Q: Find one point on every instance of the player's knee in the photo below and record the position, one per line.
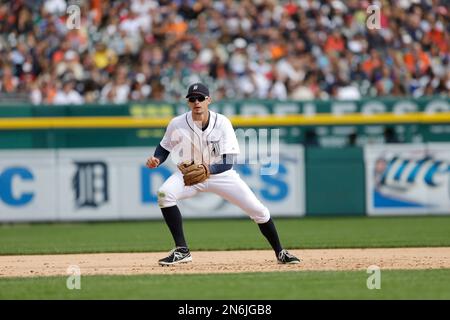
(261, 216)
(166, 199)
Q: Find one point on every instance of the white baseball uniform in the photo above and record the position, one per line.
(186, 141)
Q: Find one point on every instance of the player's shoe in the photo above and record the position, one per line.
(285, 257)
(177, 255)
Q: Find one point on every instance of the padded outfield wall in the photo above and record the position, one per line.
(64, 163)
(329, 131)
(114, 184)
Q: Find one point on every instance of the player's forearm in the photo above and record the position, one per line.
(161, 154)
(226, 164)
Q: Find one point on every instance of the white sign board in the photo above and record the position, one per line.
(114, 184)
(407, 179)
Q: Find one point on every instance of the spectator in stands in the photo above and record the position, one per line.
(117, 90)
(9, 82)
(103, 56)
(70, 64)
(68, 95)
(302, 50)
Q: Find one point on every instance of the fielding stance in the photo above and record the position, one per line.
(206, 145)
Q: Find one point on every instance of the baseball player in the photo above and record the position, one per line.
(204, 145)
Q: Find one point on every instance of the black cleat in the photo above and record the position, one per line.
(285, 257)
(177, 255)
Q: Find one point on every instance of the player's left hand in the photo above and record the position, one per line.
(193, 173)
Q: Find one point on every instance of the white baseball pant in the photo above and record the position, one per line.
(227, 185)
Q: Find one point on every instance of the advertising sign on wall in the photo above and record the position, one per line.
(27, 186)
(114, 184)
(408, 179)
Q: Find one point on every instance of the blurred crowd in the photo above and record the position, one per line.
(146, 49)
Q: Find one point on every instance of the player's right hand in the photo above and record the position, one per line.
(152, 162)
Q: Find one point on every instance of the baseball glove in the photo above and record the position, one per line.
(193, 173)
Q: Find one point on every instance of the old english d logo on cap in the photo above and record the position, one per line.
(198, 89)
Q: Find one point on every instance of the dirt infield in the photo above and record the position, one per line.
(225, 262)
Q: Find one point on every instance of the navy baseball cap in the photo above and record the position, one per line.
(197, 89)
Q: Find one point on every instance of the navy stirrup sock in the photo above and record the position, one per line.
(174, 221)
(270, 232)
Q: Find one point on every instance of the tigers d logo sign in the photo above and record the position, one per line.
(90, 184)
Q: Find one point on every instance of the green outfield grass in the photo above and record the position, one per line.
(141, 236)
(399, 284)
